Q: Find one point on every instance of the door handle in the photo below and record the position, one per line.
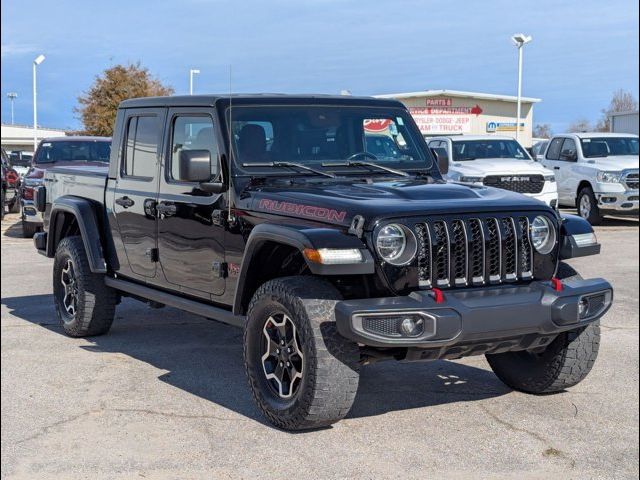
(125, 202)
(556, 168)
(165, 209)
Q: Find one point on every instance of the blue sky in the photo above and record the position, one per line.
(581, 51)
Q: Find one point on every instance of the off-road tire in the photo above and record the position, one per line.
(593, 217)
(564, 363)
(29, 229)
(331, 370)
(95, 301)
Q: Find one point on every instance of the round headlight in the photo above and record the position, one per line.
(391, 242)
(543, 235)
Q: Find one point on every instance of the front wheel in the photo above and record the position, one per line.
(303, 374)
(588, 206)
(564, 363)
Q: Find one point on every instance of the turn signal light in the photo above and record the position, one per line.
(334, 256)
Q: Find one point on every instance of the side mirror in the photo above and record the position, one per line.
(194, 166)
(443, 159)
(569, 155)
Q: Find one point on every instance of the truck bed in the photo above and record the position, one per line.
(83, 181)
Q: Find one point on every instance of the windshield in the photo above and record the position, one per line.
(322, 136)
(478, 149)
(73, 150)
(609, 146)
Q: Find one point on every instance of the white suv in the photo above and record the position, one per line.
(595, 172)
(496, 162)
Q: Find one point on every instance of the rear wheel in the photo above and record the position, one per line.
(565, 362)
(15, 205)
(303, 374)
(588, 206)
(29, 229)
(85, 306)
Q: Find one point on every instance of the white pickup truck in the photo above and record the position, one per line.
(595, 172)
(496, 161)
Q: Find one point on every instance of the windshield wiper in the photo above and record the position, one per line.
(360, 163)
(290, 165)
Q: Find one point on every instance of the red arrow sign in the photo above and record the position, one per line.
(476, 110)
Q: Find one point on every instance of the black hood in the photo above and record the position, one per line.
(337, 202)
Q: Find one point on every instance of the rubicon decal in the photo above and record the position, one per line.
(309, 211)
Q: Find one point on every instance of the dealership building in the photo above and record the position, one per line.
(20, 137)
(453, 112)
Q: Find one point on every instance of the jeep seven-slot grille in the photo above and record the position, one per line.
(473, 251)
(516, 183)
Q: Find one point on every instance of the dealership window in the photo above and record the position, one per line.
(193, 133)
(553, 152)
(143, 136)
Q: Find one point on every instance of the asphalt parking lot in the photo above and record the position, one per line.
(164, 395)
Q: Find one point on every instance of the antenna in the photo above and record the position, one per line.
(230, 128)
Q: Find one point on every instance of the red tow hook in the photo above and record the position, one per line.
(438, 295)
(557, 284)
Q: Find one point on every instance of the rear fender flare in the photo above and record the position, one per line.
(87, 220)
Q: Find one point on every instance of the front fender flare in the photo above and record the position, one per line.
(571, 225)
(86, 217)
(302, 237)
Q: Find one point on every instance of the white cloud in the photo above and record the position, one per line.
(13, 49)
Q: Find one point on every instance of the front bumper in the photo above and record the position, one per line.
(619, 202)
(29, 212)
(475, 320)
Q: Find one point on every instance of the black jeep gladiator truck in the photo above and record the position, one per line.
(270, 213)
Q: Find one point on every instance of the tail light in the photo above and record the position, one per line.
(12, 177)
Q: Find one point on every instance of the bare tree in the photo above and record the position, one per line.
(99, 105)
(622, 101)
(580, 125)
(542, 130)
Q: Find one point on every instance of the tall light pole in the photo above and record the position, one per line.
(191, 73)
(12, 96)
(520, 40)
(39, 59)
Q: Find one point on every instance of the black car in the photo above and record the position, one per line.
(271, 213)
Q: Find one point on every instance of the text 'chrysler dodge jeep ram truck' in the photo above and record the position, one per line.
(271, 213)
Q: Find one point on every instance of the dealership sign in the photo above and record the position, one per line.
(376, 124)
(442, 120)
(503, 127)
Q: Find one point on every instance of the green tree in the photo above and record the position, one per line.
(98, 106)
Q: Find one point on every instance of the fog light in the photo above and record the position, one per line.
(583, 308)
(594, 305)
(411, 326)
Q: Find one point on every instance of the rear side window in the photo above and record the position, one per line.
(553, 152)
(140, 156)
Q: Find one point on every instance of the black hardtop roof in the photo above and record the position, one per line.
(77, 138)
(256, 98)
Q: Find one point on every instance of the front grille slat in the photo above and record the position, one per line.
(441, 254)
(473, 251)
